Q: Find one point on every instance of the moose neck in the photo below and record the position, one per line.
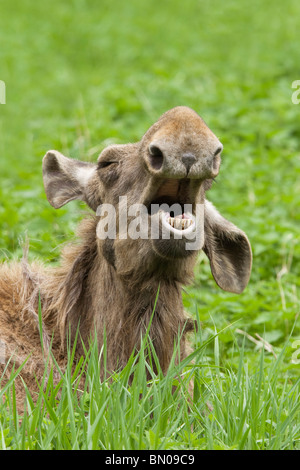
(127, 312)
(88, 291)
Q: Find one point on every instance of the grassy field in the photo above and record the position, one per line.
(82, 74)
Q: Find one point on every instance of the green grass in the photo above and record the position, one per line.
(227, 409)
(83, 74)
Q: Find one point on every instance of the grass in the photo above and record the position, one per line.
(81, 75)
(227, 409)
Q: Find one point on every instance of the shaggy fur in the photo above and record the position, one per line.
(111, 285)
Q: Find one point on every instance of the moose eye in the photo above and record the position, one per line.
(106, 164)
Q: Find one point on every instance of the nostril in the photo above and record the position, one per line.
(156, 157)
(216, 160)
(188, 160)
(219, 150)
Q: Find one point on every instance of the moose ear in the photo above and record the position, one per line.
(66, 179)
(228, 250)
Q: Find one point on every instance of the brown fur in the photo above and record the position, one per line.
(111, 285)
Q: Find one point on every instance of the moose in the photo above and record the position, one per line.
(109, 285)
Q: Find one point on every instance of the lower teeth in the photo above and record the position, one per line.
(180, 224)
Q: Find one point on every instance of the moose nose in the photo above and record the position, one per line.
(188, 159)
(166, 161)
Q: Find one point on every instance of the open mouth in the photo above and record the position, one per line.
(174, 201)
